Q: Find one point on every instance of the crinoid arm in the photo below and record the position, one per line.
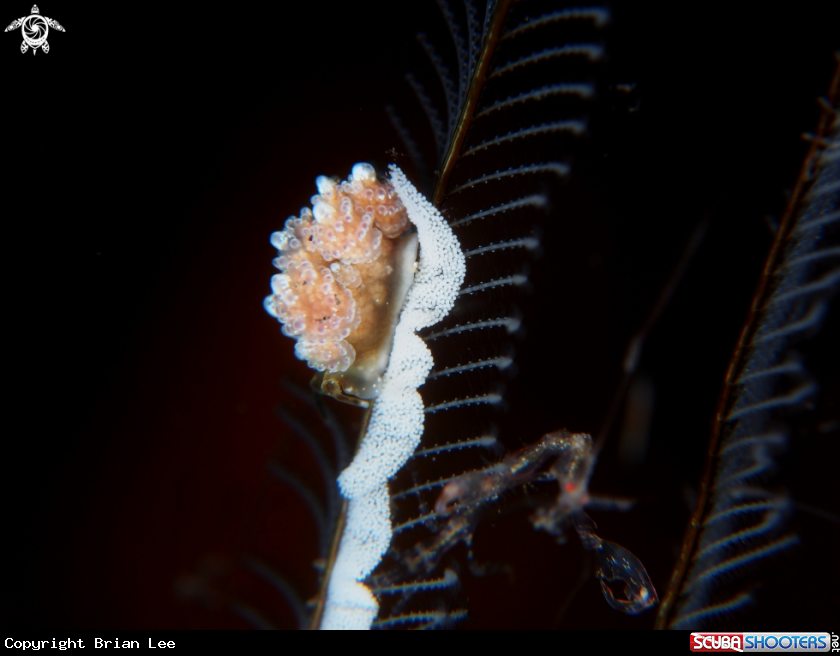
(740, 522)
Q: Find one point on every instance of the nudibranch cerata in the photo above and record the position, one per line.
(354, 294)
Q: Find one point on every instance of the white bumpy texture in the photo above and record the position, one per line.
(396, 422)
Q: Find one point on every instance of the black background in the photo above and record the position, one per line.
(148, 156)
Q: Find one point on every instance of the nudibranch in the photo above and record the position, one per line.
(354, 293)
(347, 264)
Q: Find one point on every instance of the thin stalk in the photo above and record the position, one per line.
(468, 110)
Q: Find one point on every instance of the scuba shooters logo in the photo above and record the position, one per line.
(760, 642)
(717, 642)
(34, 28)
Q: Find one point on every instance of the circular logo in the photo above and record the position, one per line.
(35, 30)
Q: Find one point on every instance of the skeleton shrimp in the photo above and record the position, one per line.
(575, 457)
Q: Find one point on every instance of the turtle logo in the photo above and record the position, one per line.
(35, 29)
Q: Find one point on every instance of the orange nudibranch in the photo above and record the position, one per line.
(346, 265)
